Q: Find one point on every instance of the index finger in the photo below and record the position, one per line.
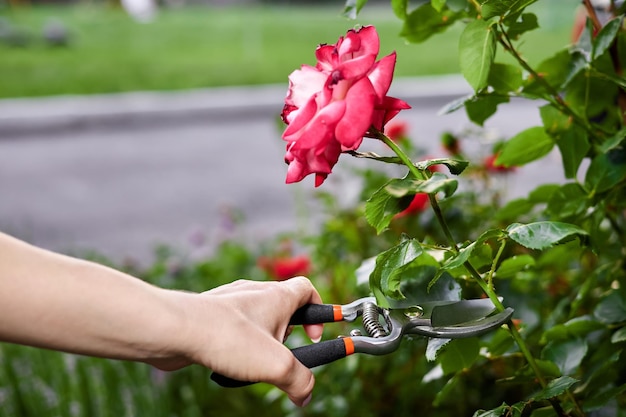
(307, 294)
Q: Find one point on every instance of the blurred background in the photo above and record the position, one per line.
(128, 125)
(146, 135)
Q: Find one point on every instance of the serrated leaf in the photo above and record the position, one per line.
(459, 354)
(437, 183)
(460, 258)
(492, 8)
(425, 21)
(455, 166)
(606, 170)
(527, 23)
(527, 146)
(505, 78)
(611, 309)
(511, 266)
(477, 49)
(567, 355)
(387, 274)
(555, 388)
(382, 206)
(542, 235)
(568, 200)
(605, 37)
(482, 106)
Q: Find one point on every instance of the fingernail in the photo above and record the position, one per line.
(307, 400)
(316, 339)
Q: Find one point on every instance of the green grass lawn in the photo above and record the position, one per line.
(203, 47)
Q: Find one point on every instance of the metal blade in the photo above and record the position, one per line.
(460, 312)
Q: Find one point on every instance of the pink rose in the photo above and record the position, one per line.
(330, 107)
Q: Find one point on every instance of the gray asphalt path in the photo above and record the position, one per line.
(120, 174)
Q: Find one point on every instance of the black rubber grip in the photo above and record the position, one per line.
(311, 356)
(314, 314)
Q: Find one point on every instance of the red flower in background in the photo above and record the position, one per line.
(284, 267)
(330, 107)
(397, 130)
(418, 205)
(491, 166)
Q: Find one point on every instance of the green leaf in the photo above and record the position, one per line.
(505, 78)
(492, 8)
(527, 146)
(569, 200)
(448, 392)
(438, 4)
(606, 170)
(614, 141)
(387, 275)
(574, 146)
(382, 206)
(459, 354)
(477, 49)
(425, 21)
(511, 266)
(454, 105)
(399, 8)
(619, 336)
(567, 355)
(576, 328)
(527, 23)
(482, 106)
(438, 183)
(605, 37)
(460, 258)
(570, 138)
(434, 346)
(456, 166)
(353, 7)
(611, 309)
(514, 209)
(543, 193)
(542, 235)
(496, 412)
(555, 388)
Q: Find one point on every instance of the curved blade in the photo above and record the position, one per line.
(460, 312)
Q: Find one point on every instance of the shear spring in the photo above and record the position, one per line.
(372, 325)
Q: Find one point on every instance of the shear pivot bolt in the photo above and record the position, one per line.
(413, 312)
(355, 332)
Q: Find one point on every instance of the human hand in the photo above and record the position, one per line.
(238, 330)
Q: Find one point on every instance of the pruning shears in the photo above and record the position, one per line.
(386, 326)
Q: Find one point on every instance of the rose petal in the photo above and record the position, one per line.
(303, 83)
(382, 74)
(358, 115)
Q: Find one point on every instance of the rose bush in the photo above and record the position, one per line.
(556, 256)
(330, 107)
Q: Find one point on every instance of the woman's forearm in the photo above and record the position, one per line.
(55, 301)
